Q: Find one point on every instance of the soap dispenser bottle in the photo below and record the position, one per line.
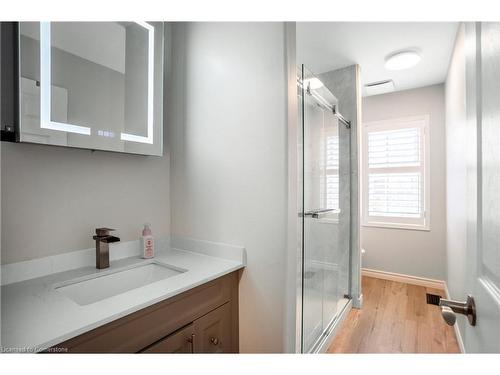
(147, 241)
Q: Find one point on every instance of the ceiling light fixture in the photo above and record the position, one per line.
(402, 60)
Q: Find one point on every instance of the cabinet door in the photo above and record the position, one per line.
(180, 341)
(213, 331)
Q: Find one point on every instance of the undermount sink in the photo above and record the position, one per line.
(100, 287)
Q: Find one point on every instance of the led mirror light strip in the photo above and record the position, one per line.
(45, 87)
(149, 138)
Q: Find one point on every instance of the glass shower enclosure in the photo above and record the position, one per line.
(324, 201)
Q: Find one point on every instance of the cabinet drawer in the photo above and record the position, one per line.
(181, 341)
(138, 330)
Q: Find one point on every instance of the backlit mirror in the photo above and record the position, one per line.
(95, 85)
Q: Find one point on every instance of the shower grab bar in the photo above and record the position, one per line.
(318, 214)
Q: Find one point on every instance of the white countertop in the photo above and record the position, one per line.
(35, 316)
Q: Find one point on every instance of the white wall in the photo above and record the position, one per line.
(412, 252)
(229, 159)
(456, 169)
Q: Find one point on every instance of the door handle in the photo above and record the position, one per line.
(449, 308)
(318, 214)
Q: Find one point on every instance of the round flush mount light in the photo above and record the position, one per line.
(402, 60)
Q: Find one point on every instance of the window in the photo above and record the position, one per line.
(332, 171)
(396, 173)
(328, 163)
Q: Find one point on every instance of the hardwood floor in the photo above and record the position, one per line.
(395, 318)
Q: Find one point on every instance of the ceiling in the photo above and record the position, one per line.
(325, 46)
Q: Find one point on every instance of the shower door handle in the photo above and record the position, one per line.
(318, 214)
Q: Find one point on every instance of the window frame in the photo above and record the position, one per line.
(423, 223)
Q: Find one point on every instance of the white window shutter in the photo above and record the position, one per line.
(394, 148)
(394, 173)
(332, 172)
(394, 194)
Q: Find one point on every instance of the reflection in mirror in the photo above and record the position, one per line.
(92, 85)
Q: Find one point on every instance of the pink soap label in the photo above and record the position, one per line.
(148, 247)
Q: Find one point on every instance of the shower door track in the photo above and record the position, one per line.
(333, 108)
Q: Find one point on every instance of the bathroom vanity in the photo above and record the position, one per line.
(201, 320)
(185, 300)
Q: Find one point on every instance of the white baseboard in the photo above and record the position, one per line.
(408, 279)
(456, 327)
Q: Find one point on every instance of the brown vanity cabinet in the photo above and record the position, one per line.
(212, 333)
(200, 320)
(181, 341)
(209, 334)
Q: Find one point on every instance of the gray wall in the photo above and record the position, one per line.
(228, 137)
(53, 197)
(344, 84)
(413, 252)
(456, 172)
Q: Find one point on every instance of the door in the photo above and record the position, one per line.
(325, 211)
(483, 112)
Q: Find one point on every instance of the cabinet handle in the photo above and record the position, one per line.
(191, 341)
(214, 340)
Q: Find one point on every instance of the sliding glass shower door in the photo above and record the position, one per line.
(325, 215)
